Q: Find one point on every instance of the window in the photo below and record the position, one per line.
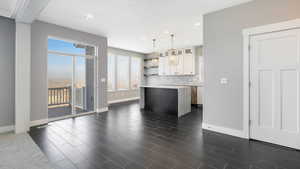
(135, 72)
(65, 47)
(111, 72)
(123, 72)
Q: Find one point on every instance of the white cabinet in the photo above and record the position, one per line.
(189, 63)
(162, 66)
(180, 63)
(171, 65)
(183, 63)
(167, 66)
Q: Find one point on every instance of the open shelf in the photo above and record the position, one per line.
(150, 59)
(154, 74)
(150, 67)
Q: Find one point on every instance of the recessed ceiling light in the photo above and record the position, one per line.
(197, 24)
(89, 16)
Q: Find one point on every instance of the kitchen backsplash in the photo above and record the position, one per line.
(173, 80)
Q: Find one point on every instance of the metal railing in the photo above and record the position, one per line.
(59, 96)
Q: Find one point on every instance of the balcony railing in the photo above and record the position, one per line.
(59, 96)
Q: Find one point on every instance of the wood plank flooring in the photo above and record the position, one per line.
(128, 138)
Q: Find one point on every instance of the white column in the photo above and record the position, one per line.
(22, 77)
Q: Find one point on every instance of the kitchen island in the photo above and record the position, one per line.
(175, 100)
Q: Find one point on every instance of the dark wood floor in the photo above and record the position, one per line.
(127, 138)
(61, 111)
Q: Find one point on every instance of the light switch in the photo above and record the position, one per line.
(103, 80)
(224, 81)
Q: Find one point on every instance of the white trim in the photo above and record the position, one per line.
(246, 87)
(292, 24)
(105, 109)
(247, 33)
(45, 121)
(69, 54)
(95, 73)
(70, 116)
(123, 100)
(38, 122)
(223, 130)
(122, 90)
(22, 77)
(6, 129)
(72, 41)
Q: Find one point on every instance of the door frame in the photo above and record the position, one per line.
(96, 75)
(247, 33)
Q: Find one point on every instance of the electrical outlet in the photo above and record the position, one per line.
(223, 81)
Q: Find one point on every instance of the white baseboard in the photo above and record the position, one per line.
(5, 129)
(38, 122)
(105, 109)
(224, 130)
(123, 100)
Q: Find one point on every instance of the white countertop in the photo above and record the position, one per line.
(191, 85)
(166, 87)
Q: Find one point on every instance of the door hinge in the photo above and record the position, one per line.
(249, 84)
(249, 47)
(250, 122)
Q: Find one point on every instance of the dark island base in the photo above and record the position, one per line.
(162, 101)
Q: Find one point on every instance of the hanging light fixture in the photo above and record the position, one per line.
(155, 54)
(173, 59)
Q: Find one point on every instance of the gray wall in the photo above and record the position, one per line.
(7, 73)
(39, 35)
(120, 95)
(178, 80)
(223, 55)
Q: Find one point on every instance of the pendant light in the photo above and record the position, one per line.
(173, 59)
(155, 54)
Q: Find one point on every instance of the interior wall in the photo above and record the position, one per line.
(223, 52)
(7, 71)
(124, 94)
(179, 80)
(39, 47)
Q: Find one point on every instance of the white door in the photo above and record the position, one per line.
(274, 93)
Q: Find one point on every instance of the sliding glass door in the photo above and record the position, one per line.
(70, 78)
(59, 85)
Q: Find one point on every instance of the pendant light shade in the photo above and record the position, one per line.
(154, 53)
(173, 59)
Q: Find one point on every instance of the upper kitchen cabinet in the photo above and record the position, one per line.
(180, 63)
(189, 62)
(162, 65)
(177, 62)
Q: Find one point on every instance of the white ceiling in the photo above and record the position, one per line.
(132, 24)
(7, 7)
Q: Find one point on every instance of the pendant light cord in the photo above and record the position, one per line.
(153, 43)
(172, 41)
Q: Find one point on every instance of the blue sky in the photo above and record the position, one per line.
(60, 67)
(63, 46)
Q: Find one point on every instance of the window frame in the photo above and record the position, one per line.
(115, 72)
(140, 72)
(129, 67)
